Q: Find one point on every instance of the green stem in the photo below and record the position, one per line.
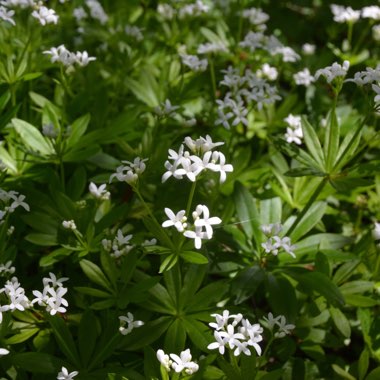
(213, 80)
(349, 34)
(62, 172)
(308, 205)
(234, 362)
(191, 196)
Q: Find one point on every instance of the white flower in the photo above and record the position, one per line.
(194, 62)
(294, 135)
(271, 229)
(376, 32)
(177, 220)
(166, 109)
(83, 59)
(308, 49)
(164, 359)
(376, 88)
(205, 221)
(283, 328)
(56, 300)
(333, 71)
(212, 47)
(7, 14)
(255, 16)
(99, 192)
(183, 362)
(344, 14)
(201, 145)
(222, 167)
(376, 231)
(53, 280)
(18, 200)
(130, 322)
(45, 15)
(219, 344)
(271, 321)
(222, 320)
(7, 268)
(268, 72)
(3, 352)
(79, 13)
(65, 375)
(304, 77)
(69, 224)
(96, 11)
(198, 235)
(372, 12)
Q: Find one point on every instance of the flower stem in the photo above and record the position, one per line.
(213, 80)
(191, 196)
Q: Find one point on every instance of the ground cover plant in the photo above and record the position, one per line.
(189, 189)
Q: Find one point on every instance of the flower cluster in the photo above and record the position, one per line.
(368, 76)
(294, 130)
(193, 62)
(348, 15)
(119, 246)
(344, 14)
(62, 55)
(178, 363)
(303, 78)
(202, 228)
(96, 11)
(243, 92)
(271, 44)
(279, 322)
(134, 32)
(235, 333)
(16, 296)
(43, 14)
(183, 163)
(167, 11)
(130, 172)
(11, 201)
(256, 17)
(129, 322)
(334, 71)
(274, 242)
(52, 295)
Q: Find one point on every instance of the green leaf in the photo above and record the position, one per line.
(353, 287)
(78, 129)
(87, 336)
(64, 339)
(340, 321)
(4, 99)
(143, 89)
(282, 297)
(247, 213)
(342, 373)
(92, 292)
(54, 256)
(22, 336)
(360, 301)
(168, 263)
(32, 137)
(246, 282)
(198, 332)
(42, 239)
(312, 142)
(374, 375)
(37, 362)
(273, 375)
(175, 337)
(95, 274)
(194, 257)
(331, 144)
(304, 171)
(363, 363)
(271, 210)
(319, 283)
(309, 220)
